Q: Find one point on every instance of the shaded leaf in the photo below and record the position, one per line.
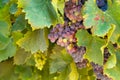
(21, 56)
(4, 28)
(9, 51)
(4, 41)
(20, 23)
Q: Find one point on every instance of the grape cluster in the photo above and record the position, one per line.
(102, 4)
(106, 55)
(98, 70)
(64, 34)
(40, 60)
(73, 10)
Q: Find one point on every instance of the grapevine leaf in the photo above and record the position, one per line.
(4, 41)
(94, 18)
(111, 62)
(9, 51)
(64, 75)
(74, 73)
(60, 59)
(24, 72)
(93, 46)
(113, 11)
(40, 13)
(20, 23)
(21, 56)
(34, 41)
(115, 71)
(4, 28)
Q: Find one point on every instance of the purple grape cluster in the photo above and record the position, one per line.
(64, 35)
(98, 70)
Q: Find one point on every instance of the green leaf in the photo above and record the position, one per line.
(4, 41)
(34, 41)
(114, 12)
(94, 18)
(40, 13)
(4, 28)
(115, 71)
(21, 56)
(9, 51)
(60, 59)
(20, 23)
(93, 46)
(4, 15)
(74, 73)
(111, 62)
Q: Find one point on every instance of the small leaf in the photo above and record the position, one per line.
(93, 46)
(4, 41)
(113, 11)
(40, 13)
(20, 23)
(34, 41)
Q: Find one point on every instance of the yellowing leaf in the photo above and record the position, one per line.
(73, 74)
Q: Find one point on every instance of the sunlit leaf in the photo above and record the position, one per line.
(40, 13)
(93, 46)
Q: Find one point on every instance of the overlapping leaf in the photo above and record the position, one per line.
(34, 41)
(9, 51)
(115, 71)
(40, 13)
(93, 46)
(20, 23)
(114, 12)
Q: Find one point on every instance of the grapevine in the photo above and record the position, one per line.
(59, 39)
